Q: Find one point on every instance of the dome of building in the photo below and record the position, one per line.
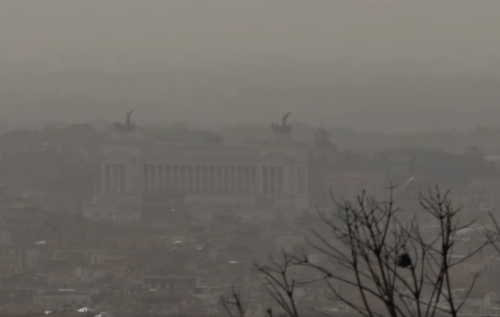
(322, 140)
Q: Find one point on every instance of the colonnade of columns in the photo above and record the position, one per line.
(112, 178)
(213, 179)
(203, 179)
(301, 180)
(271, 181)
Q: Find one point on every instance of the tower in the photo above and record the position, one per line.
(323, 156)
(321, 137)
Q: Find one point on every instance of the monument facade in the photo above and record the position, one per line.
(272, 173)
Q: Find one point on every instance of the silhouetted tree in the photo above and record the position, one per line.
(396, 268)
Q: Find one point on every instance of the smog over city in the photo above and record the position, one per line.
(249, 158)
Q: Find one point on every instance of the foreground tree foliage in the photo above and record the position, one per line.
(395, 264)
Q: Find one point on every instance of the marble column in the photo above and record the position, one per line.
(272, 181)
(114, 178)
(205, 179)
(264, 180)
(306, 179)
(196, 178)
(277, 181)
(241, 182)
(175, 177)
(194, 186)
(97, 183)
(268, 181)
(145, 177)
(161, 177)
(254, 179)
(186, 178)
(122, 176)
(211, 177)
(220, 185)
(281, 183)
(166, 177)
(232, 179)
(298, 177)
(245, 179)
(182, 178)
(236, 180)
(260, 172)
(111, 178)
(242, 179)
(187, 182)
(117, 177)
(154, 180)
(190, 172)
(237, 186)
(102, 176)
(251, 179)
(228, 179)
(217, 179)
(202, 180)
(152, 174)
(107, 178)
(224, 179)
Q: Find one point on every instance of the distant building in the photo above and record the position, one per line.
(493, 159)
(56, 299)
(321, 161)
(484, 195)
(347, 186)
(273, 172)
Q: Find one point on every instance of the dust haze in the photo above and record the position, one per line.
(259, 158)
(368, 65)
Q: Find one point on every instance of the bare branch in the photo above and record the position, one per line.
(396, 267)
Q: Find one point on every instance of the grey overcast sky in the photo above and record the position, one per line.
(319, 58)
(154, 34)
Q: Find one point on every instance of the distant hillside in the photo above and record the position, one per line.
(365, 101)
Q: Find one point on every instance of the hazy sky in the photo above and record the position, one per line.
(153, 34)
(324, 41)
